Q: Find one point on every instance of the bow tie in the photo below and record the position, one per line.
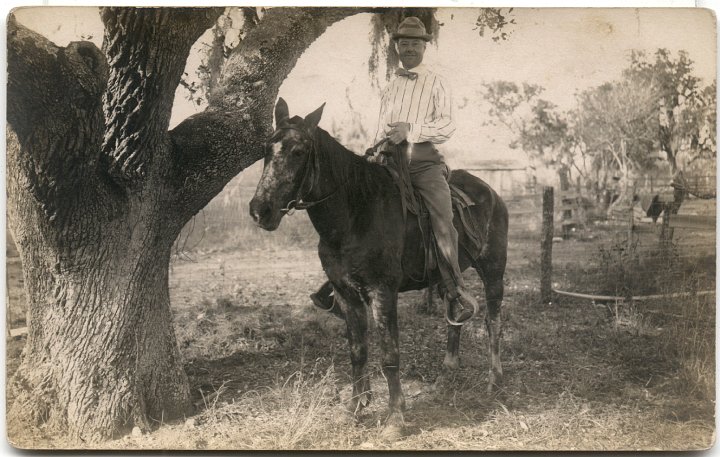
(407, 74)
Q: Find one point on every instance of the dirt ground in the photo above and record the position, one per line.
(269, 371)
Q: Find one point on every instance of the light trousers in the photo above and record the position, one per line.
(431, 181)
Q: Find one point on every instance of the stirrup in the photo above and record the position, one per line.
(467, 298)
(317, 302)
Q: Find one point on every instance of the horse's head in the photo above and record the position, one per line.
(288, 168)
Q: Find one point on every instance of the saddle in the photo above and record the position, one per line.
(476, 229)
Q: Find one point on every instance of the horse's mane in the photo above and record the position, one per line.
(361, 178)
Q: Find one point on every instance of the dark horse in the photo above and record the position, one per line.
(368, 257)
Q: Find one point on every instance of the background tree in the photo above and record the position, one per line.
(655, 106)
(215, 49)
(538, 128)
(699, 121)
(679, 96)
(614, 132)
(615, 123)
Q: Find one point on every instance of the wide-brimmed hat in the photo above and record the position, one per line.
(411, 27)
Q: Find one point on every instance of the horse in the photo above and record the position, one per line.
(356, 208)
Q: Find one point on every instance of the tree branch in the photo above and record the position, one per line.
(54, 108)
(214, 146)
(147, 49)
(206, 155)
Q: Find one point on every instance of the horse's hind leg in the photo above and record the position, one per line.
(494, 289)
(452, 350)
(452, 356)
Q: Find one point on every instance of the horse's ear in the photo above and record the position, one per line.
(313, 119)
(281, 111)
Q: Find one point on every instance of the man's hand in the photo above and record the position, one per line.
(399, 132)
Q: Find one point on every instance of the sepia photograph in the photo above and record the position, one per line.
(360, 228)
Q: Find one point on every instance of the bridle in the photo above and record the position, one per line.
(312, 167)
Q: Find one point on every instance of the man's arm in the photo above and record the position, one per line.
(439, 125)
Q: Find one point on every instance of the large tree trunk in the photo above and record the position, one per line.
(87, 205)
(101, 354)
(98, 190)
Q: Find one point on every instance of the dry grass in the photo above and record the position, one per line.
(691, 341)
(298, 413)
(268, 371)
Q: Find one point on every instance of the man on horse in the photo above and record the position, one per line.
(416, 112)
(417, 107)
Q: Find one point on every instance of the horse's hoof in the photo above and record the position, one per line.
(365, 399)
(451, 362)
(441, 383)
(341, 415)
(360, 401)
(394, 428)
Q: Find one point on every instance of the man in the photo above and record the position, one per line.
(417, 107)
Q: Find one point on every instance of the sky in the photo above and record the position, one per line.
(565, 50)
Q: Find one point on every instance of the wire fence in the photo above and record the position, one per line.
(656, 245)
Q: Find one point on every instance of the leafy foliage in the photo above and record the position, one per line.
(495, 21)
(214, 50)
(539, 129)
(682, 103)
(615, 124)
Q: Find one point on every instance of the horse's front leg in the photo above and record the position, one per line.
(383, 302)
(356, 322)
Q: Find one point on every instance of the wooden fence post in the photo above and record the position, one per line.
(546, 245)
(631, 228)
(665, 231)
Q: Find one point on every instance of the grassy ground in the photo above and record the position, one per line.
(268, 371)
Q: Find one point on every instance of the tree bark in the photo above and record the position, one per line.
(101, 354)
(146, 50)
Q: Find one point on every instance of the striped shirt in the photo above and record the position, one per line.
(425, 103)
